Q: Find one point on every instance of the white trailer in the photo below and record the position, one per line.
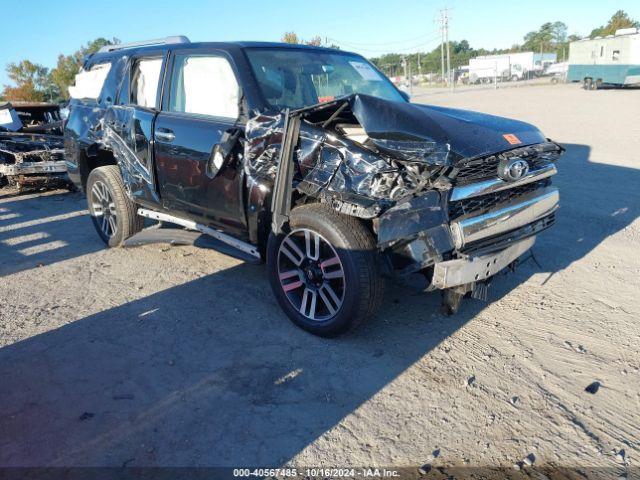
(613, 60)
(509, 66)
(487, 69)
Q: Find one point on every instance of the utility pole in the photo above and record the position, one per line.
(404, 66)
(446, 39)
(442, 42)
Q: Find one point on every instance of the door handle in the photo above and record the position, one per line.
(164, 135)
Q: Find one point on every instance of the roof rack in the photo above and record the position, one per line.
(144, 43)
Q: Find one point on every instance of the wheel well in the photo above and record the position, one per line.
(92, 158)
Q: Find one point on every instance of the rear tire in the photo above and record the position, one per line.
(324, 271)
(113, 214)
(587, 83)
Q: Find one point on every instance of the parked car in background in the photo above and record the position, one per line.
(557, 72)
(31, 145)
(310, 159)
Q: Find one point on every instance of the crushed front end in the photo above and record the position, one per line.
(455, 195)
(32, 160)
(485, 222)
(31, 145)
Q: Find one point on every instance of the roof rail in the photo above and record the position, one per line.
(144, 43)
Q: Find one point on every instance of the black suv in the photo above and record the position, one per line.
(311, 159)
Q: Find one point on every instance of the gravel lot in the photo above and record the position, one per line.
(158, 355)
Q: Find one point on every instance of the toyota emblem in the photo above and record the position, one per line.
(512, 169)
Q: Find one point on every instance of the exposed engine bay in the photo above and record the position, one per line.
(434, 189)
(31, 146)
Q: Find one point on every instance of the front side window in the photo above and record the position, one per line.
(144, 82)
(616, 55)
(204, 85)
(296, 78)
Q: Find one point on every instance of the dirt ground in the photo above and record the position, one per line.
(174, 356)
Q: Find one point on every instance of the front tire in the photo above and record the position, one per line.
(113, 214)
(324, 271)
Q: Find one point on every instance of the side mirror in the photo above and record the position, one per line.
(221, 152)
(406, 95)
(216, 161)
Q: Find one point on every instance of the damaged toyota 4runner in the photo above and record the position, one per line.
(309, 159)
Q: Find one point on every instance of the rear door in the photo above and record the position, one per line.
(200, 106)
(129, 125)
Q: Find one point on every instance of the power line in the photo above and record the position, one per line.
(377, 50)
(369, 44)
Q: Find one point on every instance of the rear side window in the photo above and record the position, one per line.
(144, 82)
(89, 83)
(204, 85)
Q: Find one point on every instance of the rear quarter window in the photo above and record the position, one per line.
(89, 83)
(145, 79)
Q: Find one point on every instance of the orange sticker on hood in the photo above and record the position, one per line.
(511, 138)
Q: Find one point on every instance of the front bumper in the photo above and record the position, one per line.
(463, 271)
(31, 168)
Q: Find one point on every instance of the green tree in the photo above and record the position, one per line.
(547, 38)
(315, 41)
(31, 80)
(68, 66)
(618, 20)
(290, 37)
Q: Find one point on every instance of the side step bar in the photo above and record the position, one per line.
(191, 225)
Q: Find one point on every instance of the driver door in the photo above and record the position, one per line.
(200, 112)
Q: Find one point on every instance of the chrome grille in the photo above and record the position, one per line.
(499, 242)
(537, 156)
(484, 203)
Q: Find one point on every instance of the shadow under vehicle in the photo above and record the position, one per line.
(170, 378)
(308, 158)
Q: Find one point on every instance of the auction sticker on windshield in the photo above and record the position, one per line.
(366, 71)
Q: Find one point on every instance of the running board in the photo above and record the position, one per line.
(191, 225)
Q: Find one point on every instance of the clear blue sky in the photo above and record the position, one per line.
(40, 30)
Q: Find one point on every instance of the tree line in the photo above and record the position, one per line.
(551, 37)
(34, 82)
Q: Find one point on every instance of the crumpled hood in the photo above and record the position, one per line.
(469, 134)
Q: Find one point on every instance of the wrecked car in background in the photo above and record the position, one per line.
(31, 145)
(308, 158)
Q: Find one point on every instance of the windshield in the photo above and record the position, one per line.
(296, 78)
